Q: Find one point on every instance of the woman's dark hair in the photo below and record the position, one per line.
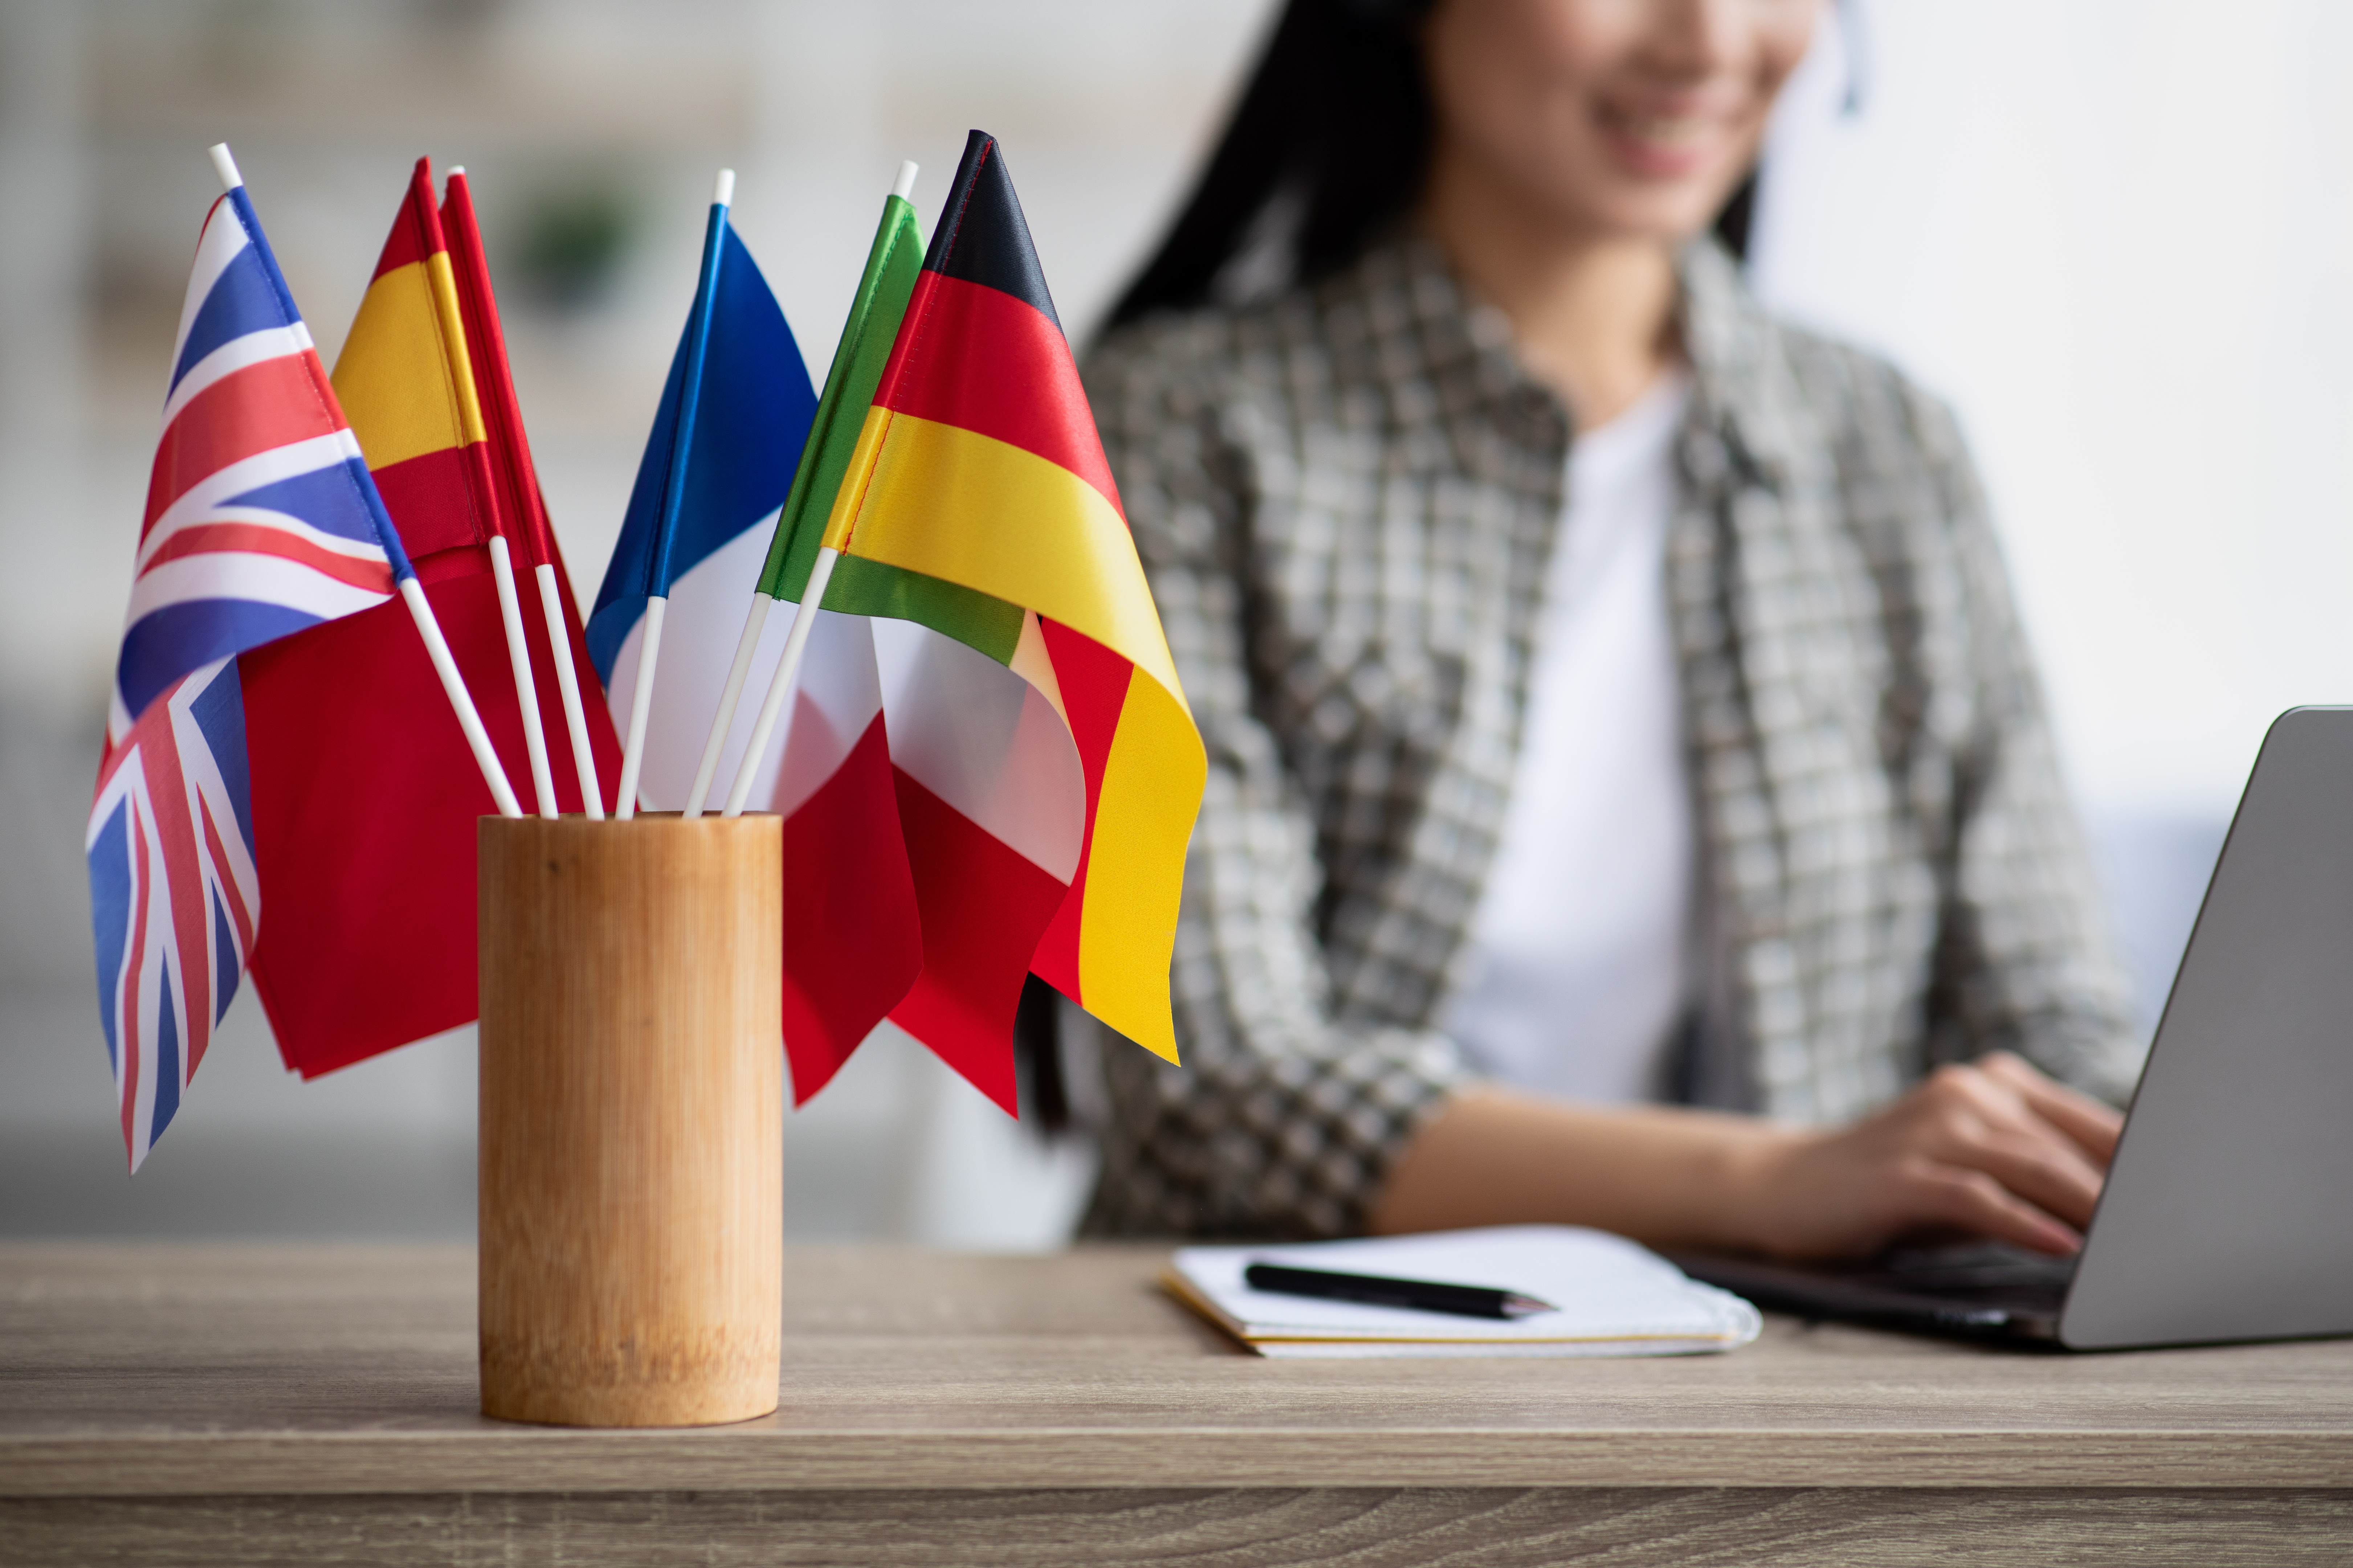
(1335, 125)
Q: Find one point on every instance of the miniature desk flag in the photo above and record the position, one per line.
(261, 521)
(718, 470)
(364, 800)
(1048, 768)
(892, 264)
(521, 512)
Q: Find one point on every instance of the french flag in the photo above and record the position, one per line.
(853, 944)
(261, 521)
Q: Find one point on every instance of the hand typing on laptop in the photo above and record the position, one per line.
(2221, 1212)
(1993, 1149)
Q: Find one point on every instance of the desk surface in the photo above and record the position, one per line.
(162, 1371)
(150, 1370)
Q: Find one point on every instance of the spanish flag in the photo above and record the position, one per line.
(365, 794)
(1046, 830)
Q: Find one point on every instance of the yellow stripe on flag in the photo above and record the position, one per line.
(1144, 820)
(980, 512)
(857, 480)
(403, 378)
(987, 515)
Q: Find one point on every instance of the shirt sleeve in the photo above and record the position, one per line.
(2025, 961)
(1283, 1121)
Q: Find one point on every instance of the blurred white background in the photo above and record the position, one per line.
(2113, 232)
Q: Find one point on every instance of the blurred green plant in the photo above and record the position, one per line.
(570, 244)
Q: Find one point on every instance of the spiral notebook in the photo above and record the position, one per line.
(1609, 1296)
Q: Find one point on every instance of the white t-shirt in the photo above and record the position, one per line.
(1574, 979)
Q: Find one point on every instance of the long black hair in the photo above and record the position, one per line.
(1332, 137)
(1332, 140)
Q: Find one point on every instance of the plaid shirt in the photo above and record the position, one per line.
(1345, 500)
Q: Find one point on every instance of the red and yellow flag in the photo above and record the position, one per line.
(978, 502)
(364, 793)
(405, 378)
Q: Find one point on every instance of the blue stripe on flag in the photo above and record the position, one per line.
(219, 712)
(167, 1059)
(750, 424)
(328, 498)
(388, 533)
(164, 645)
(242, 299)
(109, 913)
(225, 972)
(260, 242)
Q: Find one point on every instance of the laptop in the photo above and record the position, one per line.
(2228, 1212)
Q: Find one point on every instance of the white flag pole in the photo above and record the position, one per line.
(755, 620)
(780, 686)
(534, 734)
(567, 683)
(412, 593)
(453, 685)
(641, 699)
(706, 300)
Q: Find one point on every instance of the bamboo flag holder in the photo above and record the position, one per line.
(632, 1108)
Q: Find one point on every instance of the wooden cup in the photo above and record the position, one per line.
(632, 1109)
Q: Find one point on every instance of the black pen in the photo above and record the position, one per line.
(1373, 1291)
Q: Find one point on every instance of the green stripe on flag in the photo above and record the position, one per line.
(893, 264)
(979, 620)
(862, 587)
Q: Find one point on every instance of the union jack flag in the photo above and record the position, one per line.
(174, 895)
(261, 520)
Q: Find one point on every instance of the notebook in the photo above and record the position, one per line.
(1611, 1297)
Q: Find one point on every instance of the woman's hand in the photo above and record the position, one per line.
(1993, 1149)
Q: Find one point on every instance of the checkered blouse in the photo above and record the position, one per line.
(1345, 500)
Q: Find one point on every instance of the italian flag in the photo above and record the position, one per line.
(850, 943)
(1046, 765)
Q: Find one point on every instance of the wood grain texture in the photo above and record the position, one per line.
(1360, 1527)
(632, 1097)
(148, 1371)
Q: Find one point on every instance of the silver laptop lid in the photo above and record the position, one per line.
(2228, 1213)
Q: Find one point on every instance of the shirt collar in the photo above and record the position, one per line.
(1421, 326)
(1743, 394)
(1743, 389)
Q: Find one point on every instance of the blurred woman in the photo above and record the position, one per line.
(1630, 799)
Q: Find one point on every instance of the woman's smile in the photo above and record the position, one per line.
(1669, 145)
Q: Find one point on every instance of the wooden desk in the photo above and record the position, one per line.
(265, 1405)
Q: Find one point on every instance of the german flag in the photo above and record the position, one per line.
(978, 504)
(364, 793)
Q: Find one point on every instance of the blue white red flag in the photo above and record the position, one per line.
(261, 520)
(751, 412)
(853, 944)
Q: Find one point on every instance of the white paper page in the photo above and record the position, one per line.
(1465, 1350)
(1604, 1287)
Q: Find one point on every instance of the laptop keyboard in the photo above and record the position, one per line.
(1980, 1274)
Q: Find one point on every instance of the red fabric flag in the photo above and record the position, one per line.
(364, 794)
